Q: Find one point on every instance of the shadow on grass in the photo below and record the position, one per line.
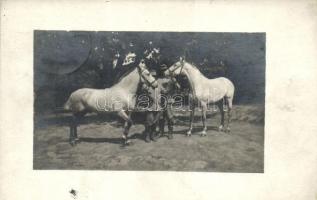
(119, 140)
(43, 121)
(65, 120)
(101, 140)
(140, 136)
(185, 118)
(195, 130)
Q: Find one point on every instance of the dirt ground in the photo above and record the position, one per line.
(100, 148)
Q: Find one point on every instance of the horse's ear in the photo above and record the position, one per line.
(181, 59)
(142, 63)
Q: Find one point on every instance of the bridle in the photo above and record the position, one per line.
(172, 72)
(142, 72)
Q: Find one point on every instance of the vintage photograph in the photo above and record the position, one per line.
(149, 101)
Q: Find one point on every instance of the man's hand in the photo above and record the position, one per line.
(176, 83)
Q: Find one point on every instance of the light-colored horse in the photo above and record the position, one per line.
(120, 98)
(205, 91)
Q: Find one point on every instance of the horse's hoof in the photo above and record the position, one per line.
(126, 143)
(189, 133)
(220, 129)
(147, 140)
(154, 139)
(73, 143)
(170, 136)
(203, 134)
(227, 130)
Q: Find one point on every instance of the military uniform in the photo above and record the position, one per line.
(152, 61)
(167, 101)
(152, 93)
(156, 68)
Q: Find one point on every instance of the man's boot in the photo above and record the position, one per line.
(153, 135)
(147, 135)
(170, 135)
(170, 131)
(161, 126)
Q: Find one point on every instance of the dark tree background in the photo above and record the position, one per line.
(67, 60)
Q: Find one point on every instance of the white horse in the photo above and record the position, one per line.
(119, 98)
(205, 91)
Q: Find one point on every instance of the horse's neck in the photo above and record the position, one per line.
(130, 82)
(194, 76)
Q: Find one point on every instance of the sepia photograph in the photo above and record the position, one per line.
(139, 100)
(149, 101)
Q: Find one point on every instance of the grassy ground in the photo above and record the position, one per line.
(242, 150)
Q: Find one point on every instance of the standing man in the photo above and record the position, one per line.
(152, 61)
(169, 86)
(152, 57)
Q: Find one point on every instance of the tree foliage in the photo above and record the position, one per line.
(65, 61)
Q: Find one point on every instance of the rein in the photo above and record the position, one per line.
(141, 72)
(182, 66)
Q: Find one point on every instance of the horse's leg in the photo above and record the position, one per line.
(128, 124)
(170, 129)
(192, 114)
(156, 118)
(77, 118)
(203, 112)
(147, 133)
(125, 116)
(220, 106)
(71, 134)
(73, 130)
(170, 122)
(148, 126)
(229, 102)
(153, 132)
(162, 124)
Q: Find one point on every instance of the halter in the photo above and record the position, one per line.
(143, 77)
(182, 66)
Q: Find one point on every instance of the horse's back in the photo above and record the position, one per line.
(78, 99)
(227, 81)
(82, 93)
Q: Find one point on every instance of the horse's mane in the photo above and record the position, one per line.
(124, 75)
(192, 64)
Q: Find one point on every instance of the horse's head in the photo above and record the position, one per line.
(175, 69)
(146, 76)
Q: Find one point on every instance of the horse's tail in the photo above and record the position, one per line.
(67, 105)
(230, 94)
(228, 97)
